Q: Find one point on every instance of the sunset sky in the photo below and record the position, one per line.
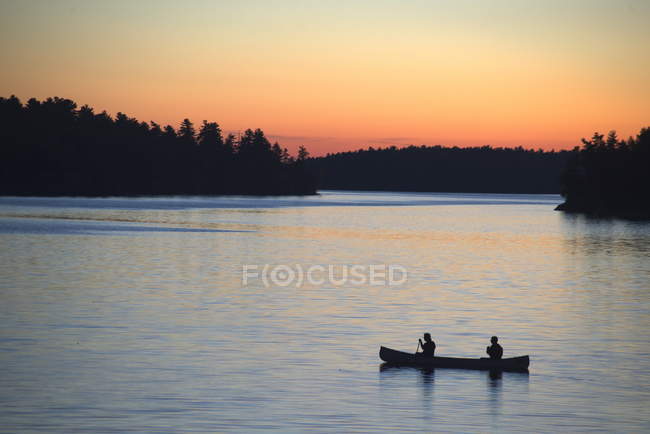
(339, 75)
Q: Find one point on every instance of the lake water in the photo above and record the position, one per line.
(131, 314)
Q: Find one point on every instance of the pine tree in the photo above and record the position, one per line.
(186, 132)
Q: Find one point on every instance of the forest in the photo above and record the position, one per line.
(53, 148)
(443, 169)
(609, 177)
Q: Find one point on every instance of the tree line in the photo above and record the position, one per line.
(609, 176)
(443, 169)
(51, 147)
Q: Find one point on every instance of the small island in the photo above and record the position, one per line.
(609, 177)
(53, 148)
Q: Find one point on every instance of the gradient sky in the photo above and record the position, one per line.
(339, 75)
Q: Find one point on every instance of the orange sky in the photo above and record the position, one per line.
(340, 75)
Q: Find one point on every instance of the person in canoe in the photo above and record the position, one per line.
(495, 350)
(428, 346)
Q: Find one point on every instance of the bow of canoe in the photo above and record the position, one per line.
(401, 358)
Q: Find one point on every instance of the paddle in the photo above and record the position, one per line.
(416, 350)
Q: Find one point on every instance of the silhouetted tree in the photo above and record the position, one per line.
(229, 144)
(277, 151)
(210, 135)
(186, 132)
(303, 154)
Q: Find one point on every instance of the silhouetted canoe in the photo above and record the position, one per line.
(400, 358)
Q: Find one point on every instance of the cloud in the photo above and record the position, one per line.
(311, 139)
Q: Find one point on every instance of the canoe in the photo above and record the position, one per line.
(400, 358)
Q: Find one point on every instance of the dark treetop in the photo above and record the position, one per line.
(609, 177)
(52, 148)
(443, 169)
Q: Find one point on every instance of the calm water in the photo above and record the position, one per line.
(130, 314)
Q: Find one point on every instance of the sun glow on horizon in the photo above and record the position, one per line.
(340, 76)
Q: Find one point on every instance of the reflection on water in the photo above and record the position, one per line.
(62, 226)
(605, 236)
(495, 379)
(443, 391)
(129, 314)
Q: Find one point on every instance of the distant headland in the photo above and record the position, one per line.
(609, 177)
(443, 169)
(53, 148)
